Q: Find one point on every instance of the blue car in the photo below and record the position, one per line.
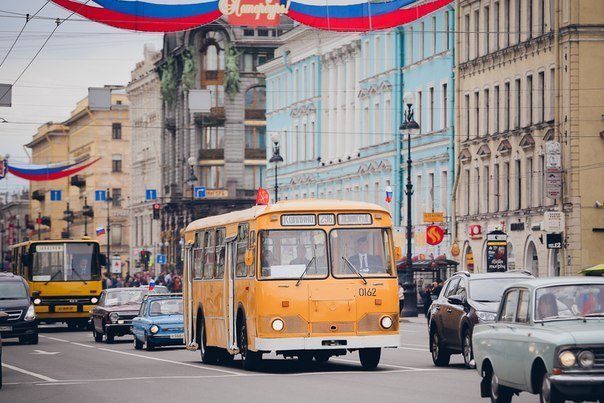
(159, 322)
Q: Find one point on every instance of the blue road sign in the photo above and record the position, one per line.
(100, 195)
(151, 194)
(160, 259)
(55, 195)
(200, 192)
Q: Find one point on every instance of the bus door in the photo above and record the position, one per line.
(188, 298)
(229, 292)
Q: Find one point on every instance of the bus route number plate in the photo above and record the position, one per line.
(65, 308)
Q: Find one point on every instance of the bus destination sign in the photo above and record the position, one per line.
(49, 248)
(298, 220)
(354, 219)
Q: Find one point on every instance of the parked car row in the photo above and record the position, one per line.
(542, 336)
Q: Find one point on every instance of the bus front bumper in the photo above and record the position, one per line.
(326, 343)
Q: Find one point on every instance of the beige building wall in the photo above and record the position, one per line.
(49, 145)
(516, 91)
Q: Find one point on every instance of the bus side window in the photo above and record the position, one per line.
(208, 267)
(198, 257)
(220, 252)
(242, 234)
(252, 247)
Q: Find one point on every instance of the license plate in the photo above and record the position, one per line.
(6, 328)
(66, 308)
(177, 336)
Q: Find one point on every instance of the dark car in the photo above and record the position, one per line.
(113, 315)
(3, 318)
(464, 301)
(16, 302)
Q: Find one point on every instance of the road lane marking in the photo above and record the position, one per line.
(173, 362)
(24, 371)
(425, 350)
(382, 364)
(61, 383)
(81, 345)
(55, 339)
(42, 352)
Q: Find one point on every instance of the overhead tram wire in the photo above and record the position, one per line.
(27, 19)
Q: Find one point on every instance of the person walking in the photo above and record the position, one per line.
(401, 298)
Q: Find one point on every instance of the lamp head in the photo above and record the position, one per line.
(192, 161)
(413, 127)
(275, 137)
(409, 99)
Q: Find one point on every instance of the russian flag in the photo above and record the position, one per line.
(100, 231)
(388, 194)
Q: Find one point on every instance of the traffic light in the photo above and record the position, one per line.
(68, 215)
(44, 220)
(87, 211)
(145, 255)
(156, 208)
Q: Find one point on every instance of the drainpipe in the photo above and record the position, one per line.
(398, 172)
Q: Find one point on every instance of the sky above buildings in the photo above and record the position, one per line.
(80, 54)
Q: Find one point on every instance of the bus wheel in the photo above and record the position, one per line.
(224, 357)
(208, 354)
(370, 357)
(250, 359)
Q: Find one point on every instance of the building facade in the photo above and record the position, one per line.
(14, 222)
(226, 144)
(524, 72)
(145, 154)
(334, 102)
(428, 73)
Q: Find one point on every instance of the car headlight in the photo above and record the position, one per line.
(386, 322)
(486, 316)
(278, 325)
(154, 329)
(37, 301)
(113, 317)
(567, 358)
(586, 359)
(31, 313)
(94, 300)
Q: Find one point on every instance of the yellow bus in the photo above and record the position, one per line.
(64, 278)
(309, 279)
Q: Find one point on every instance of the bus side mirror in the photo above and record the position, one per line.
(398, 253)
(102, 260)
(35, 294)
(249, 257)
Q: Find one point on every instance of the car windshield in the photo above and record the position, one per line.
(130, 296)
(363, 251)
(287, 253)
(490, 289)
(64, 262)
(12, 290)
(569, 301)
(160, 307)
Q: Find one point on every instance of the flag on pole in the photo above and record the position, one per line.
(100, 231)
(388, 194)
(262, 198)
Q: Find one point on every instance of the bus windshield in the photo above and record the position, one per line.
(287, 253)
(365, 251)
(64, 262)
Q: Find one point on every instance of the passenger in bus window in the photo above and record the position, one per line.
(81, 269)
(362, 260)
(300, 256)
(267, 258)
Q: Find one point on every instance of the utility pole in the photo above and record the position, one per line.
(108, 198)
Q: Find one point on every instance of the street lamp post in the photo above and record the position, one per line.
(109, 200)
(408, 128)
(276, 158)
(192, 178)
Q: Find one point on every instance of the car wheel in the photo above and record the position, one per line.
(499, 393)
(548, 393)
(467, 351)
(33, 339)
(440, 355)
(97, 336)
(370, 357)
(250, 359)
(109, 337)
(149, 346)
(138, 345)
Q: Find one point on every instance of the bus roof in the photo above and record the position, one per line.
(33, 241)
(285, 206)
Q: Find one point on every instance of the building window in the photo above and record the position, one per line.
(496, 185)
(496, 21)
(467, 37)
(253, 176)
(518, 184)
(487, 31)
(487, 188)
(487, 111)
(468, 190)
(541, 176)
(312, 79)
(248, 62)
(212, 137)
(541, 89)
(552, 92)
(529, 182)
(507, 16)
(419, 108)
(255, 137)
(116, 131)
(116, 163)
(476, 33)
(431, 106)
(410, 49)
(255, 98)
(419, 199)
(304, 80)
(506, 110)
(518, 104)
(444, 191)
(467, 120)
(529, 19)
(447, 33)
(377, 51)
(211, 176)
(497, 109)
(217, 96)
(506, 182)
(433, 35)
(422, 33)
(116, 197)
(529, 91)
(518, 24)
(431, 192)
(476, 114)
(477, 208)
(116, 234)
(445, 106)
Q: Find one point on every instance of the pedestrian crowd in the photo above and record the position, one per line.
(169, 279)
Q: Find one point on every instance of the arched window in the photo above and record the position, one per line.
(255, 98)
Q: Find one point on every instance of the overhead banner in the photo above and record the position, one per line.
(47, 172)
(178, 15)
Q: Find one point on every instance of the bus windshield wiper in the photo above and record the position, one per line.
(53, 276)
(354, 269)
(81, 278)
(305, 270)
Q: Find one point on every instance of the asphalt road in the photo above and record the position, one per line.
(71, 367)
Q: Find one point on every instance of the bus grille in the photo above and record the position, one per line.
(13, 314)
(333, 327)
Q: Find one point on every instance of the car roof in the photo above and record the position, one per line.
(162, 296)
(141, 288)
(521, 274)
(553, 281)
(7, 276)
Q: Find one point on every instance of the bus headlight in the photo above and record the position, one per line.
(154, 329)
(31, 313)
(37, 301)
(386, 322)
(94, 300)
(278, 325)
(113, 317)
